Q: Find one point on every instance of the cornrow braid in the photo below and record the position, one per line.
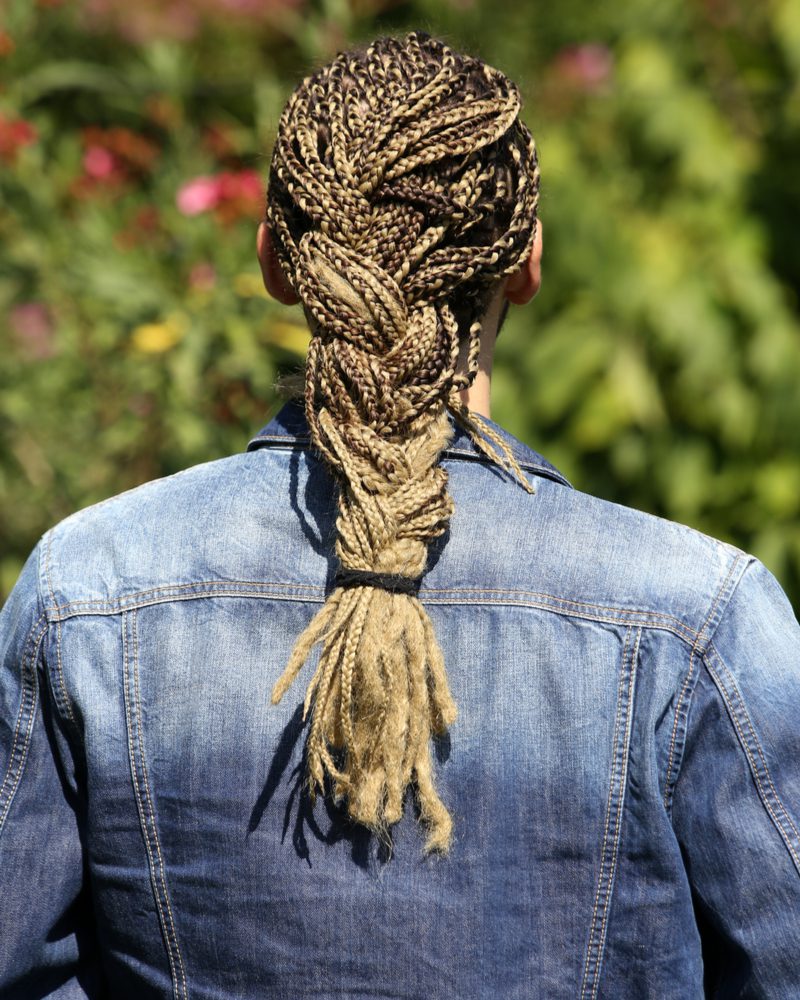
(403, 187)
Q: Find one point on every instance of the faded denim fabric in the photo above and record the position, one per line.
(624, 772)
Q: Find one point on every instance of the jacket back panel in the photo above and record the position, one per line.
(570, 629)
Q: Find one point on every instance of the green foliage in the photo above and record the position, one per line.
(659, 366)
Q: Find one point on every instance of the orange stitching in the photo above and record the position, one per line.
(137, 792)
(747, 749)
(541, 605)
(31, 645)
(623, 780)
(163, 877)
(690, 672)
(59, 666)
(60, 671)
(590, 945)
(168, 588)
(553, 597)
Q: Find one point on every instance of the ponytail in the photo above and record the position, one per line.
(402, 182)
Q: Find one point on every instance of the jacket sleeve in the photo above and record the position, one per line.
(46, 933)
(736, 807)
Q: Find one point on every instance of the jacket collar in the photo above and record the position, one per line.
(289, 427)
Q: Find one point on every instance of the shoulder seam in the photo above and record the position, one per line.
(741, 563)
(26, 715)
(703, 637)
(432, 596)
(57, 685)
(726, 686)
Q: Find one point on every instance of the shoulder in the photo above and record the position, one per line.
(588, 556)
(167, 532)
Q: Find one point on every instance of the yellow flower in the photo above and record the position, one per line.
(290, 336)
(249, 285)
(155, 338)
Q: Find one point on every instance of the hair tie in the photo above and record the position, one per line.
(386, 581)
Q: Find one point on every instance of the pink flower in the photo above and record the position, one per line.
(198, 195)
(32, 327)
(99, 162)
(202, 276)
(233, 193)
(585, 66)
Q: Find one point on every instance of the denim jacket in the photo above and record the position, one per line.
(623, 774)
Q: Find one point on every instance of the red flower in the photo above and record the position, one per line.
(14, 134)
(241, 195)
(231, 194)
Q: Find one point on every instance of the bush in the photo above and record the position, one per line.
(658, 367)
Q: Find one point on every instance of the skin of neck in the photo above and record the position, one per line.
(478, 395)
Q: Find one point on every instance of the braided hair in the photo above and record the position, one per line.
(402, 189)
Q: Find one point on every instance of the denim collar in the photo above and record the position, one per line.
(289, 427)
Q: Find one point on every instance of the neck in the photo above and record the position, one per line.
(478, 396)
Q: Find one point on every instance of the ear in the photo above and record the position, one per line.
(522, 285)
(274, 281)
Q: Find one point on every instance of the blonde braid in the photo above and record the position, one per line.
(403, 187)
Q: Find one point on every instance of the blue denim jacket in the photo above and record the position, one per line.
(624, 772)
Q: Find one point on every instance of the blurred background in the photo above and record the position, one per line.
(658, 367)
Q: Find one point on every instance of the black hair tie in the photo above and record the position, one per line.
(386, 581)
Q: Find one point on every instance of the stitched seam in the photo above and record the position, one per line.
(748, 751)
(678, 717)
(139, 801)
(168, 589)
(59, 670)
(589, 946)
(681, 715)
(540, 605)
(426, 590)
(150, 803)
(590, 980)
(17, 758)
(553, 597)
(29, 642)
(622, 783)
(642, 619)
(713, 653)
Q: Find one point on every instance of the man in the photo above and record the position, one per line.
(592, 712)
